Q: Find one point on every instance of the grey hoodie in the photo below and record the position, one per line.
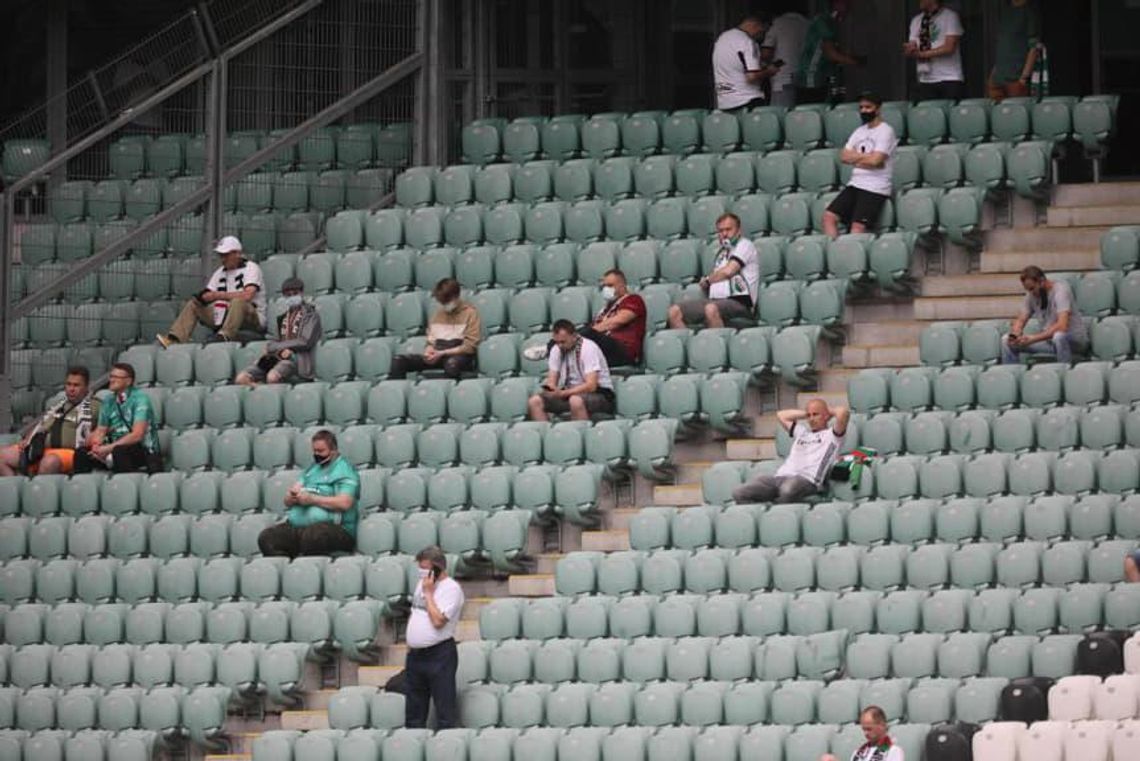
(302, 346)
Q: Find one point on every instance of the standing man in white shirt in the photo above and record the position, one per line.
(432, 658)
(815, 448)
(785, 42)
(871, 151)
(577, 380)
(934, 39)
(233, 300)
(738, 72)
(879, 746)
(732, 286)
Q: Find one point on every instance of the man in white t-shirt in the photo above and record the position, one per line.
(871, 151)
(732, 286)
(879, 746)
(233, 300)
(432, 660)
(933, 42)
(738, 72)
(784, 42)
(577, 379)
(815, 448)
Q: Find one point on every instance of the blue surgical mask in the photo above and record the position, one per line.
(292, 302)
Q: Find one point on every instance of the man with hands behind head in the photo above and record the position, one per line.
(432, 658)
(815, 448)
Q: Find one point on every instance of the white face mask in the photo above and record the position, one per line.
(450, 306)
(423, 572)
(292, 302)
(609, 293)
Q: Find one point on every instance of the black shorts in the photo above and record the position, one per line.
(857, 205)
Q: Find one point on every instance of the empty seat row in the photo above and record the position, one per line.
(1001, 387)
(1094, 740)
(88, 745)
(1013, 430)
(847, 567)
(993, 612)
(913, 521)
(1081, 698)
(987, 475)
(1113, 338)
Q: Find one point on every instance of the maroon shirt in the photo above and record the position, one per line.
(631, 335)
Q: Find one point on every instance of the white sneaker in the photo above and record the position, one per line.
(535, 353)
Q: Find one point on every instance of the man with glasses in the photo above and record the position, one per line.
(50, 446)
(290, 355)
(233, 300)
(126, 438)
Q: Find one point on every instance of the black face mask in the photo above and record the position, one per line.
(868, 116)
(318, 460)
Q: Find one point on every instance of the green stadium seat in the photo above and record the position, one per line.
(1030, 168)
(803, 129)
(776, 171)
(681, 133)
(926, 124)
(1052, 119)
(791, 214)
(601, 136)
(666, 218)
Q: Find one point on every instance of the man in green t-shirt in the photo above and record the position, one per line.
(821, 58)
(125, 440)
(321, 513)
(1018, 38)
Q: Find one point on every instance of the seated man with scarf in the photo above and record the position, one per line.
(50, 446)
(577, 381)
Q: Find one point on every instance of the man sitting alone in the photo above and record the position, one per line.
(578, 378)
(815, 448)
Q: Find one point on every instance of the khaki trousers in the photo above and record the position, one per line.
(240, 315)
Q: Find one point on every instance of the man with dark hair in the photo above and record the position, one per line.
(125, 439)
(321, 513)
(1061, 328)
(432, 658)
(732, 287)
(233, 300)
(934, 44)
(738, 72)
(290, 354)
(870, 150)
(618, 328)
(577, 379)
(51, 444)
(784, 41)
(453, 336)
(879, 746)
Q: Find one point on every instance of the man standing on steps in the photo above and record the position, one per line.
(1061, 329)
(432, 654)
(815, 448)
(870, 150)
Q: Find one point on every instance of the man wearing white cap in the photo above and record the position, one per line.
(233, 300)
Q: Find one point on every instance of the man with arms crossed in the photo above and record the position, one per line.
(815, 448)
(871, 151)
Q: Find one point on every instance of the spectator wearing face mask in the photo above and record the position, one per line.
(870, 150)
(320, 509)
(731, 288)
(453, 336)
(433, 657)
(290, 355)
(618, 328)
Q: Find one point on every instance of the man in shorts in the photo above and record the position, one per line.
(732, 287)
(290, 355)
(50, 446)
(578, 378)
(870, 151)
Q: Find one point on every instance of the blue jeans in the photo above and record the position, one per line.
(1062, 346)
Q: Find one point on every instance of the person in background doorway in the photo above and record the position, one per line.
(934, 43)
(822, 59)
(784, 42)
(738, 72)
(1018, 37)
(290, 355)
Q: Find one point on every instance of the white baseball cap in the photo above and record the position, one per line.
(227, 245)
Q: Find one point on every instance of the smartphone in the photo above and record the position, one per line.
(778, 62)
(434, 573)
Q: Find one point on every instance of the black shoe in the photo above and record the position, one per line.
(217, 338)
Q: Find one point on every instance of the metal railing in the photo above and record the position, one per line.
(265, 118)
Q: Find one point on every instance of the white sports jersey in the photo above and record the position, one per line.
(247, 273)
(734, 55)
(743, 283)
(813, 453)
(947, 68)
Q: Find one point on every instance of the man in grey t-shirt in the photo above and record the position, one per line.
(1061, 330)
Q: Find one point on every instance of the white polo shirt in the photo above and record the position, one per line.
(734, 55)
(421, 632)
(946, 68)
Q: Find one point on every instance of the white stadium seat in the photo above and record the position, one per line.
(1132, 654)
(1071, 698)
(1089, 740)
(1043, 741)
(1118, 698)
(997, 741)
(1126, 741)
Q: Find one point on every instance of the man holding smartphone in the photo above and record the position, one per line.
(577, 379)
(433, 657)
(1061, 329)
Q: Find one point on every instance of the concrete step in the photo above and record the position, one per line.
(834, 379)
(1064, 260)
(1097, 194)
(241, 743)
(998, 284)
(1092, 216)
(305, 721)
(467, 630)
(969, 307)
(885, 333)
(881, 356)
(619, 518)
(691, 472)
(531, 585)
(472, 606)
(544, 562)
(750, 449)
(832, 398)
(394, 655)
(376, 676)
(609, 540)
(1043, 239)
(766, 426)
(677, 494)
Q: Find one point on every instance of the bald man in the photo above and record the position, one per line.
(815, 447)
(879, 746)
